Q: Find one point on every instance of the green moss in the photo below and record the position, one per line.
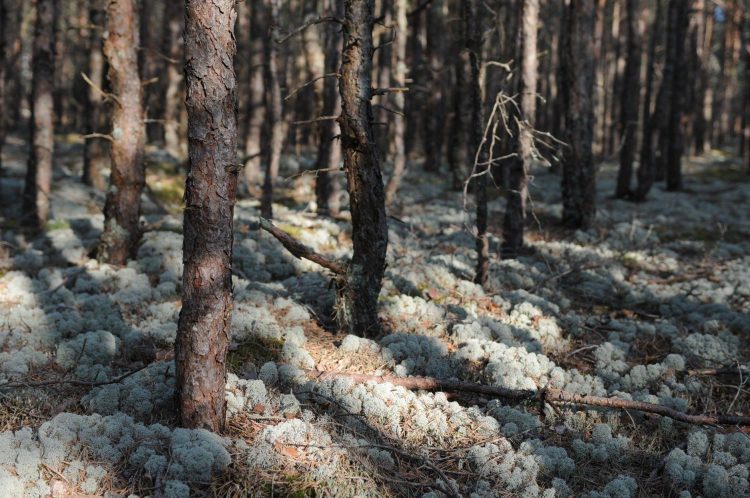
(57, 224)
(169, 192)
(256, 350)
(292, 230)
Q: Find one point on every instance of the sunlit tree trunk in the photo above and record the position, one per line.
(398, 122)
(122, 208)
(522, 123)
(204, 326)
(358, 303)
(39, 171)
(577, 84)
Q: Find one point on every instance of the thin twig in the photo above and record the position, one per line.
(104, 136)
(311, 22)
(299, 88)
(106, 95)
(72, 382)
(316, 120)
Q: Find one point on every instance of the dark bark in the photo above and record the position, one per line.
(662, 112)
(679, 93)
(274, 121)
(398, 122)
(175, 133)
(358, 304)
(646, 168)
(577, 82)
(457, 150)
(256, 110)
(522, 124)
(3, 119)
(629, 100)
(39, 170)
(329, 148)
(204, 325)
(433, 112)
(92, 148)
(122, 208)
(703, 55)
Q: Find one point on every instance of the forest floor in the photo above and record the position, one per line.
(645, 305)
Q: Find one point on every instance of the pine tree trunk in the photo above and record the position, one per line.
(3, 118)
(92, 148)
(398, 122)
(175, 134)
(678, 96)
(256, 111)
(122, 208)
(273, 112)
(358, 303)
(39, 170)
(433, 112)
(629, 101)
(522, 124)
(577, 82)
(329, 148)
(646, 173)
(204, 325)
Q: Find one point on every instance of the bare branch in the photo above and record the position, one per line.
(106, 95)
(99, 135)
(311, 22)
(299, 88)
(300, 250)
(383, 91)
(316, 120)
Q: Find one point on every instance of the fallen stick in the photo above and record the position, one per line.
(300, 250)
(541, 395)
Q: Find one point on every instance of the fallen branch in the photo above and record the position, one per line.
(300, 250)
(540, 395)
(72, 382)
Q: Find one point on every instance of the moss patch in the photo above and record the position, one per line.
(256, 350)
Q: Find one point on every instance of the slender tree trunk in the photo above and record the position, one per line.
(308, 99)
(329, 148)
(175, 134)
(646, 173)
(122, 209)
(457, 150)
(433, 112)
(616, 68)
(204, 326)
(39, 170)
(92, 148)
(704, 47)
(273, 111)
(577, 81)
(3, 119)
(522, 124)
(679, 93)
(256, 112)
(398, 122)
(358, 303)
(629, 103)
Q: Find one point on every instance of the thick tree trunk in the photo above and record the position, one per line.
(398, 122)
(629, 101)
(678, 97)
(256, 111)
(522, 124)
(329, 148)
(39, 170)
(92, 148)
(273, 111)
(122, 209)
(204, 325)
(646, 173)
(175, 133)
(577, 81)
(358, 304)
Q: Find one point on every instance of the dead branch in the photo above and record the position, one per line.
(300, 250)
(311, 22)
(72, 382)
(540, 395)
(99, 135)
(316, 120)
(106, 95)
(305, 85)
(383, 91)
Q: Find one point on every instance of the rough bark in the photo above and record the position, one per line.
(358, 303)
(675, 132)
(577, 81)
(122, 208)
(39, 170)
(398, 122)
(204, 324)
(522, 125)
(646, 173)
(629, 100)
(329, 148)
(175, 134)
(274, 121)
(92, 148)
(256, 111)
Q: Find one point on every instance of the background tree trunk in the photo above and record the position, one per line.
(42, 133)
(122, 209)
(679, 94)
(358, 303)
(204, 325)
(92, 148)
(522, 125)
(256, 110)
(329, 148)
(629, 101)
(433, 113)
(577, 81)
(397, 100)
(3, 119)
(175, 139)
(273, 111)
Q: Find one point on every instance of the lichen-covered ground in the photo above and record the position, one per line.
(642, 306)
